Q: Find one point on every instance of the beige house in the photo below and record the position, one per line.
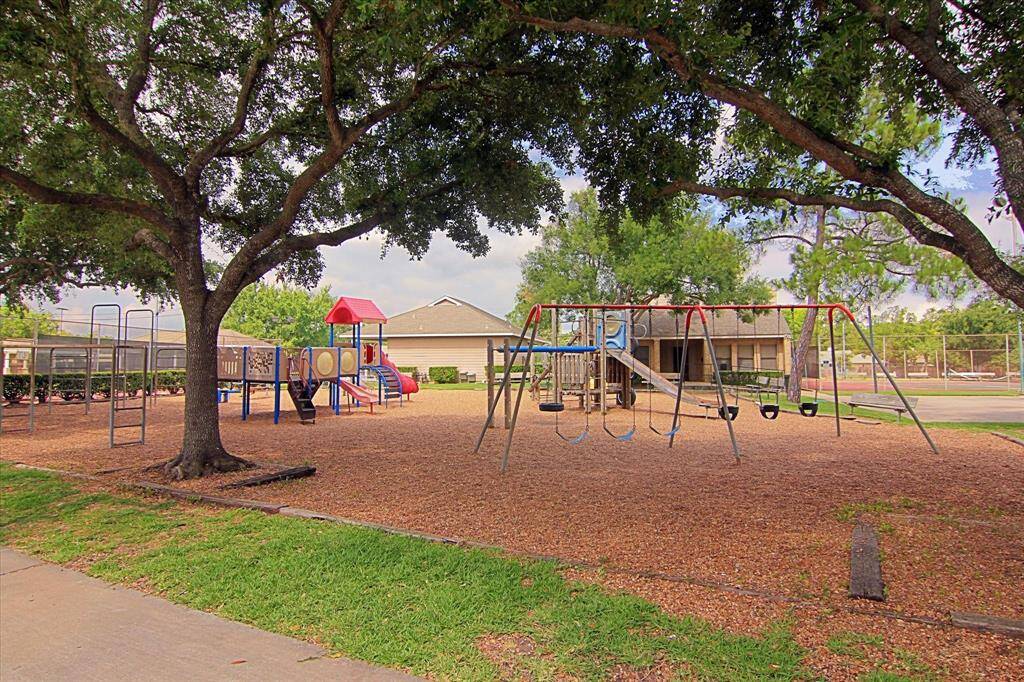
(448, 332)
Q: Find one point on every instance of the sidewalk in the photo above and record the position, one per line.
(61, 624)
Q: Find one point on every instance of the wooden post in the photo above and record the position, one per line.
(508, 393)
(490, 382)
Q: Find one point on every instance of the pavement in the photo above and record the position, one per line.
(958, 408)
(58, 624)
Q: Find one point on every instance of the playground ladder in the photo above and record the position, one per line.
(122, 395)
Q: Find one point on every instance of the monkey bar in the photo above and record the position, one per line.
(528, 337)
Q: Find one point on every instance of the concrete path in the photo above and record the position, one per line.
(955, 408)
(57, 624)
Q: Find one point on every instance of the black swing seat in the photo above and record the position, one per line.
(809, 409)
(552, 407)
(729, 412)
(769, 411)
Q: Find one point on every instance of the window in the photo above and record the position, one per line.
(769, 356)
(745, 356)
(723, 352)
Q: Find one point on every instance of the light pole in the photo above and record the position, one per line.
(60, 324)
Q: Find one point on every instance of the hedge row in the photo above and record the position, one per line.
(445, 374)
(745, 377)
(71, 385)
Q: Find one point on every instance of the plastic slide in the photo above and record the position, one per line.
(409, 384)
(359, 392)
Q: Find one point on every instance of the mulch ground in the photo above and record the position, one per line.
(778, 524)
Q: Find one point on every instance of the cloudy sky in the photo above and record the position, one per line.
(397, 283)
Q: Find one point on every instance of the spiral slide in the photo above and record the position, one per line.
(409, 384)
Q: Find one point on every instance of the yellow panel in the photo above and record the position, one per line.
(325, 363)
(348, 361)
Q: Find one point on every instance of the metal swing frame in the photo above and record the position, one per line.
(532, 322)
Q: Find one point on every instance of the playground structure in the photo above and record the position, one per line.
(599, 360)
(124, 371)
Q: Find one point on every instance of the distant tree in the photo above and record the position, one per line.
(984, 316)
(593, 256)
(289, 315)
(20, 322)
(857, 259)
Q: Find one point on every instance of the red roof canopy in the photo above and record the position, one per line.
(349, 310)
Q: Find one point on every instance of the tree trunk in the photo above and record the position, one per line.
(201, 450)
(803, 344)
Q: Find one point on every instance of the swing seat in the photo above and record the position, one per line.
(552, 407)
(729, 412)
(626, 437)
(672, 432)
(579, 439)
(809, 409)
(769, 411)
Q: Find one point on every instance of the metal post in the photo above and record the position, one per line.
(843, 332)
(245, 383)
(519, 395)
(507, 359)
(490, 381)
(724, 406)
(835, 377)
(945, 365)
(1020, 352)
(1007, 340)
(871, 333)
(682, 374)
(892, 382)
(277, 384)
(504, 380)
(32, 382)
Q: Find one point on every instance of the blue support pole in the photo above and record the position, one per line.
(334, 388)
(245, 383)
(337, 385)
(277, 384)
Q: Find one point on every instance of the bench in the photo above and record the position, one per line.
(880, 402)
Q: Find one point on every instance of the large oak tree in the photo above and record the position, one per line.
(764, 101)
(191, 147)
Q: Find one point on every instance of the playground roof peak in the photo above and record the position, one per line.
(351, 310)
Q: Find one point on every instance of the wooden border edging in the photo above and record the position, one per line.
(1006, 436)
(994, 624)
(967, 621)
(866, 564)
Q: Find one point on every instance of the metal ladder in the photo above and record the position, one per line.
(121, 390)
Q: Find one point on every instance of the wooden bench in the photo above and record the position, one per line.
(875, 401)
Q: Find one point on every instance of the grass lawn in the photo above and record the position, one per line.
(430, 608)
(469, 386)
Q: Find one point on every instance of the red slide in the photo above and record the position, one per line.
(409, 384)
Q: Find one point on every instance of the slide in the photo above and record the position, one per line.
(649, 375)
(360, 393)
(409, 384)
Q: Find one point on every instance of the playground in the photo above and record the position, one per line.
(740, 545)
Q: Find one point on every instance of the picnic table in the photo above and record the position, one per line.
(876, 401)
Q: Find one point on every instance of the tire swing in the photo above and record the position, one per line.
(671, 433)
(628, 436)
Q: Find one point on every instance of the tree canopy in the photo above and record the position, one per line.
(776, 102)
(596, 256)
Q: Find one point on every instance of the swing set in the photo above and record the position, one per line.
(610, 323)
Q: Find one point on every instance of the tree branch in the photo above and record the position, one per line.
(103, 202)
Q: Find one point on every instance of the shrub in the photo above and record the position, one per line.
(744, 377)
(444, 375)
(408, 370)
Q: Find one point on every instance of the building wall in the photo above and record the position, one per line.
(468, 353)
(749, 354)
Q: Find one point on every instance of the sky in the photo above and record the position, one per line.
(397, 283)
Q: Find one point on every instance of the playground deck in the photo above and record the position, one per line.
(739, 545)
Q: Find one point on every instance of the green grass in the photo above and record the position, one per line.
(469, 386)
(853, 644)
(382, 598)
